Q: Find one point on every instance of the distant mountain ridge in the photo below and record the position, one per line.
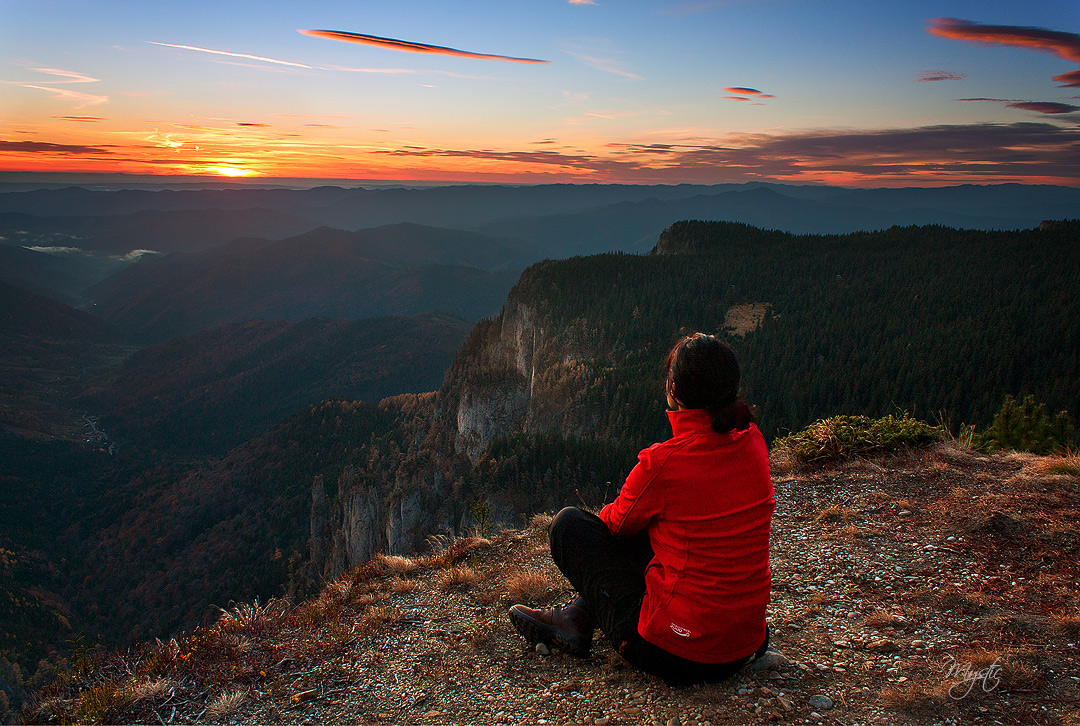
(206, 393)
(323, 273)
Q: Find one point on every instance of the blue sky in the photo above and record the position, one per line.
(634, 91)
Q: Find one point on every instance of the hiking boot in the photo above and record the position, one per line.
(569, 628)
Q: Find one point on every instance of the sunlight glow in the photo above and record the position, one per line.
(232, 171)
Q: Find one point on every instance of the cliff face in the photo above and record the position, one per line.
(510, 378)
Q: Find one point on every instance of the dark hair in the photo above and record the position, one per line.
(702, 373)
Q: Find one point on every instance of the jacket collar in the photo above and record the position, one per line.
(690, 421)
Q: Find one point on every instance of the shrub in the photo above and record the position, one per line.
(841, 437)
(1024, 426)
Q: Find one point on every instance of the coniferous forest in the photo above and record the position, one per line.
(937, 322)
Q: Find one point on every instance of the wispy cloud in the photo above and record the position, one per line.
(42, 147)
(1063, 45)
(246, 56)
(941, 154)
(1044, 107)
(411, 46)
(929, 76)
(254, 125)
(582, 2)
(745, 93)
(83, 119)
(80, 98)
(607, 65)
(591, 115)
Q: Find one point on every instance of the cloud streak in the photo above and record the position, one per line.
(930, 76)
(607, 65)
(1063, 45)
(410, 46)
(247, 56)
(1044, 107)
(80, 98)
(745, 93)
(929, 154)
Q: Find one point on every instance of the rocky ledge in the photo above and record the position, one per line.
(937, 587)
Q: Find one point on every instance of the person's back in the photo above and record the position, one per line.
(675, 571)
(706, 501)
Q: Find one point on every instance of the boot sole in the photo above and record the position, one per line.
(535, 631)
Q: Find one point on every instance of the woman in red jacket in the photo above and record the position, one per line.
(675, 571)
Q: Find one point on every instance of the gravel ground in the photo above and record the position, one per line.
(934, 588)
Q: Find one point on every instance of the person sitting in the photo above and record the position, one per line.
(675, 571)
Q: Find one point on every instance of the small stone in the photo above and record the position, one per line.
(602, 720)
(918, 644)
(784, 703)
(820, 703)
(772, 659)
(542, 649)
(905, 512)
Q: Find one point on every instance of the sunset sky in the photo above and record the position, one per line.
(858, 93)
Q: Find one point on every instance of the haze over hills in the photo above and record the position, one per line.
(535, 222)
(324, 273)
(162, 232)
(205, 393)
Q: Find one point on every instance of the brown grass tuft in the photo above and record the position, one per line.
(402, 586)
(540, 520)
(376, 617)
(882, 619)
(1068, 621)
(458, 578)
(229, 702)
(529, 587)
(151, 689)
(834, 513)
(1067, 464)
(917, 698)
(396, 564)
(446, 550)
(251, 618)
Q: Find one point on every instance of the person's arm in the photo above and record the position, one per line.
(641, 498)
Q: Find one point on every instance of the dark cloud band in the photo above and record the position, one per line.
(410, 46)
(1063, 45)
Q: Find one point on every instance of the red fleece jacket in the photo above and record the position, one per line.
(706, 501)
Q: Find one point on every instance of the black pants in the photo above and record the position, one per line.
(609, 574)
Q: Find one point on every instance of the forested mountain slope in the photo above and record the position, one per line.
(203, 394)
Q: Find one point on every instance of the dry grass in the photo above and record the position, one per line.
(376, 617)
(396, 564)
(819, 598)
(458, 578)
(251, 618)
(883, 619)
(1010, 667)
(1067, 464)
(529, 587)
(1068, 621)
(917, 698)
(835, 513)
(541, 520)
(229, 702)
(402, 586)
(446, 550)
(151, 689)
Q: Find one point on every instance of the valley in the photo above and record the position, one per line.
(245, 418)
